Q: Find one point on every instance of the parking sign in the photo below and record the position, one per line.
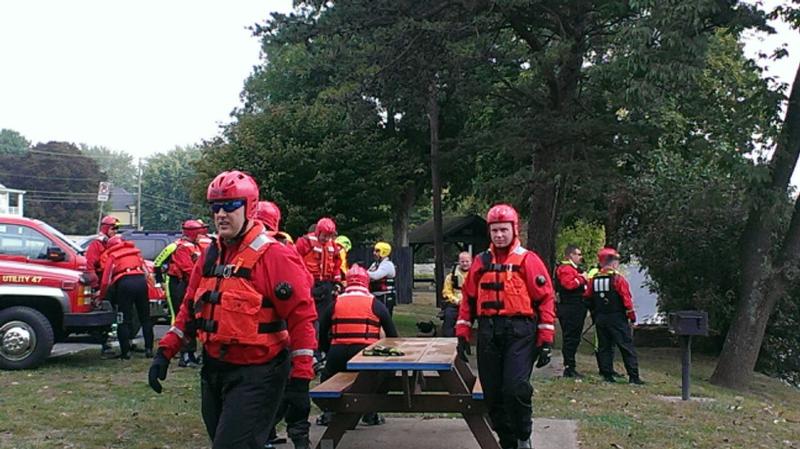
(103, 191)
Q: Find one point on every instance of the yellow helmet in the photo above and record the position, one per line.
(344, 242)
(383, 248)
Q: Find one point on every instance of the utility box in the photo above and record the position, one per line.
(689, 322)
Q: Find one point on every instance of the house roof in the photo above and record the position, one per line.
(2, 187)
(121, 199)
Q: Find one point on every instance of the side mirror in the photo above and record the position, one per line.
(56, 254)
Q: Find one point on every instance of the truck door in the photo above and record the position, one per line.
(24, 244)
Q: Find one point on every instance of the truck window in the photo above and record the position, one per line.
(17, 240)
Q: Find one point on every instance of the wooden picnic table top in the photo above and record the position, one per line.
(421, 354)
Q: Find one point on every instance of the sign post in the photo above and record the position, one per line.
(103, 192)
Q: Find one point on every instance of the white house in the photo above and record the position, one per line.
(11, 201)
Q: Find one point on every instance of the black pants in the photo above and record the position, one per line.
(388, 299)
(571, 314)
(127, 293)
(614, 329)
(295, 409)
(505, 360)
(177, 290)
(449, 322)
(238, 400)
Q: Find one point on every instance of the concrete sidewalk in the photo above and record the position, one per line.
(443, 433)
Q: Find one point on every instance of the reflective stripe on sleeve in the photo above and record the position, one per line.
(299, 352)
(176, 331)
(547, 326)
(463, 322)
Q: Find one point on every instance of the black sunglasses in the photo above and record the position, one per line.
(227, 206)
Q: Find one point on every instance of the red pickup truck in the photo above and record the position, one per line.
(34, 241)
(40, 305)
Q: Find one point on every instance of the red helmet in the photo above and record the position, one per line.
(269, 213)
(116, 240)
(607, 253)
(356, 275)
(107, 223)
(232, 185)
(503, 213)
(325, 225)
(193, 228)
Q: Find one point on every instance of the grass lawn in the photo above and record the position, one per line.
(79, 401)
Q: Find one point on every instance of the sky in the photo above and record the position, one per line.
(146, 76)
(141, 77)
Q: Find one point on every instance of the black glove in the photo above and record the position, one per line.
(158, 370)
(544, 354)
(464, 349)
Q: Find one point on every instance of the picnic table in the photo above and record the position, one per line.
(428, 378)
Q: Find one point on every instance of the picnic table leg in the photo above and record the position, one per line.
(341, 423)
(366, 382)
(478, 423)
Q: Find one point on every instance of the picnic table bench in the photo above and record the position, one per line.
(428, 378)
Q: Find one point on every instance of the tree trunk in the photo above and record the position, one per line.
(438, 240)
(401, 215)
(763, 281)
(542, 220)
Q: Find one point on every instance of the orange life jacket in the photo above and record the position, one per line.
(126, 259)
(354, 322)
(323, 260)
(228, 308)
(501, 288)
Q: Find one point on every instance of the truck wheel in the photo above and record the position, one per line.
(26, 338)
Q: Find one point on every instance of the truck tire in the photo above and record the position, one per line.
(26, 338)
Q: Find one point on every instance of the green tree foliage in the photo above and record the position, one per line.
(166, 189)
(117, 166)
(12, 142)
(589, 237)
(61, 185)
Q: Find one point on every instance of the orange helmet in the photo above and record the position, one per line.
(357, 275)
(325, 225)
(269, 213)
(503, 213)
(235, 185)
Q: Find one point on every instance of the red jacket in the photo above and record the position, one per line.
(623, 289)
(569, 277)
(542, 296)
(279, 264)
(183, 259)
(93, 252)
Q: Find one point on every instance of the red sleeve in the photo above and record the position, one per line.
(469, 292)
(105, 277)
(172, 340)
(569, 278)
(624, 289)
(93, 261)
(303, 246)
(182, 259)
(284, 265)
(540, 288)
